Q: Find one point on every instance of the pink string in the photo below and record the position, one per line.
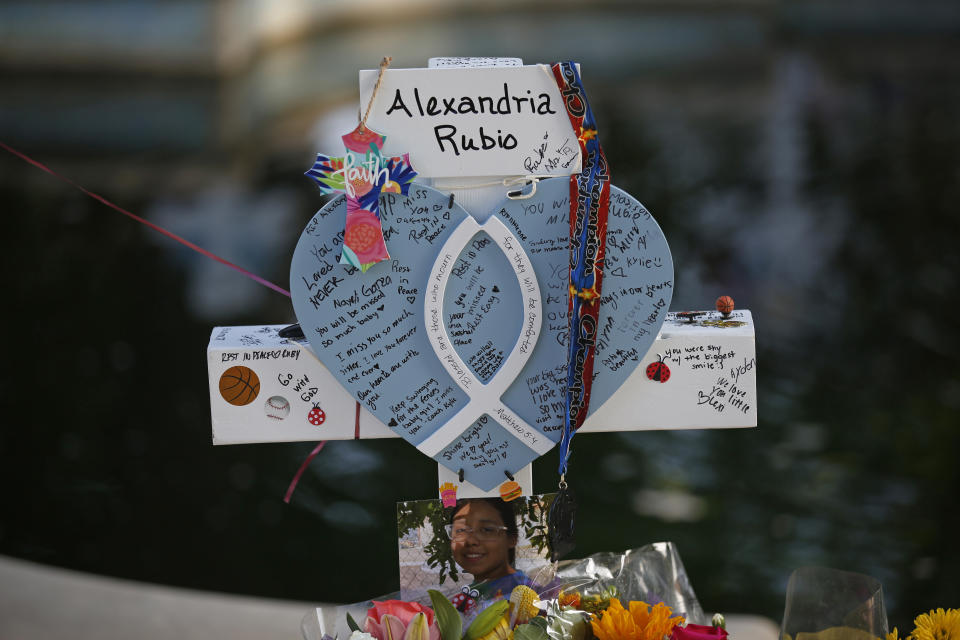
(303, 467)
(157, 228)
(202, 251)
(313, 454)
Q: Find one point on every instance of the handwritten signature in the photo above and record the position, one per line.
(542, 158)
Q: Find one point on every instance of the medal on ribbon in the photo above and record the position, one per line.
(589, 205)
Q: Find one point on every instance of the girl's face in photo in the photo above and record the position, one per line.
(485, 556)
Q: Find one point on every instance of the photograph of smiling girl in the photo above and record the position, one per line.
(476, 551)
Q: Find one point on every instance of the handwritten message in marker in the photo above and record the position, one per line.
(368, 329)
(458, 340)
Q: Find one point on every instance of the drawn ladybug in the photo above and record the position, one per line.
(658, 371)
(316, 417)
(466, 599)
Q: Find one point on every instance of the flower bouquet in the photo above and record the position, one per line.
(828, 604)
(641, 594)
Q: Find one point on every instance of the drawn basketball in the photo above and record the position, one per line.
(239, 385)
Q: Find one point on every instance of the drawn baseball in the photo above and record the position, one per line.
(239, 385)
(277, 408)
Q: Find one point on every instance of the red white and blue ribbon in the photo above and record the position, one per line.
(589, 204)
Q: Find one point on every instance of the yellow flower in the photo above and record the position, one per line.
(641, 622)
(521, 604)
(937, 625)
(894, 635)
(501, 631)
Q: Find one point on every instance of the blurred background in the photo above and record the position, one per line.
(802, 156)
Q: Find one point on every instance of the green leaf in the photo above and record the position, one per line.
(352, 623)
(448, 619)
(531, 631)
(487, 619)
(539, 621)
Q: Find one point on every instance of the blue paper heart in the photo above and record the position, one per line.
(383, 339)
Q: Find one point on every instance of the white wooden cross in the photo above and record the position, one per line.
(264, 388)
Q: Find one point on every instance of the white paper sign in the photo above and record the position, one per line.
(462, 63)
(501, 121)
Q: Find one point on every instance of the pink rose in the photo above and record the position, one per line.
(399, 620)
(698, 632)
(400, 609)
